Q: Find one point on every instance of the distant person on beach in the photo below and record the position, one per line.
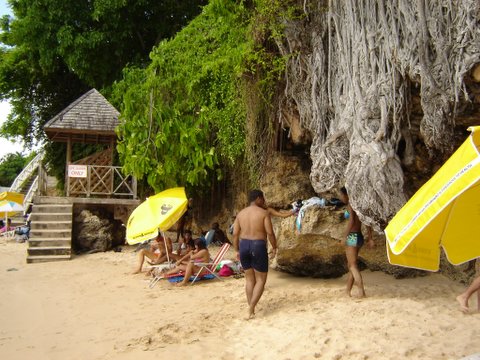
(185, 221)
(186, 238)
(216, 236)
(7, 227)
(252, 227)
(353, 243)
(157, 252)
(465, 296)
(180, 258)
(189, 263)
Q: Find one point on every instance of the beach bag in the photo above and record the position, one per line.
(225, 271)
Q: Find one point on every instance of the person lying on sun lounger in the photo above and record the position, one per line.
(181, 257)
(157, 252)
(187, 263)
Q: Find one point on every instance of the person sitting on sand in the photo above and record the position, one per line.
(353, 243)
(216, 236)
(183, 253)
(7, 227)
(189, 261)
(181, 257)
(157, 252)
(463, 297)
(182, 246)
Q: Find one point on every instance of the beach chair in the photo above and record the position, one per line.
(157, 277)
(209, 267)
(10, 234)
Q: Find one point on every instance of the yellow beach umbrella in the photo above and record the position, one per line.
(10, 203)
(12, 196)
(158, 212)
(444, 212)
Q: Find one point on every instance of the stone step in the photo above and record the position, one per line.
(48, 200)
(47, 242)
(49, 250)
(45, 258)
(52, 208)
(51, 225)
(51, 217)
(51, 233)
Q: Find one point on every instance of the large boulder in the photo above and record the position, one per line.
(286, 179)
(315, 251)
(96, 230)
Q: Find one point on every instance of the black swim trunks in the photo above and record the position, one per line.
(253, 254)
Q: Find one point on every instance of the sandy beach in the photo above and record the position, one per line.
(92, 308)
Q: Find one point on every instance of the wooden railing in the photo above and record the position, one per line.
(99, 180)
(27, 172)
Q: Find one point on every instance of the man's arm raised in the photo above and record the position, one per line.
(270, 234)
(236, 235)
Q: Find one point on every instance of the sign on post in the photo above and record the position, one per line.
(77, 171)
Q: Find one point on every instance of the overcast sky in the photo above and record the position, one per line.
(4, 9)
(6, 146)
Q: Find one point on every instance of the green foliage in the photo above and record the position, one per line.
(56, 50)
(183, 116)
(10, 166)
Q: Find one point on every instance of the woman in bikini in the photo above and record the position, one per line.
(353, 243)
(189, 261)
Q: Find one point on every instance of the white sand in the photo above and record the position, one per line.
(91, 308)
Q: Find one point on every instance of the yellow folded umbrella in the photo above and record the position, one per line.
(158, 212)
(444, 212)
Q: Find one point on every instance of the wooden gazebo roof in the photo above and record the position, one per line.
(89, 119)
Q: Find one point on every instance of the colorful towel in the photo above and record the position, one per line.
(177, 279)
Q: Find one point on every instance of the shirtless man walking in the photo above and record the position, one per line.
(253, 226)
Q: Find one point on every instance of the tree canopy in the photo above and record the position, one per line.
(55, 50)
(182, 116)
(11, 165)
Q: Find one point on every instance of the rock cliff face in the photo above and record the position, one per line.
(314, 250)
(96, 230)
(286, 179)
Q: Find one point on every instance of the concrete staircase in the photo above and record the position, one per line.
(50, 232)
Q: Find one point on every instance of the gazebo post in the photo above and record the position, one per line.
(112, 152)
(68, 162)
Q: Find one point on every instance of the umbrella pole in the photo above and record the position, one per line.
(166, 248)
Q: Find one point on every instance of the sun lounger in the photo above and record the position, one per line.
(210, 267)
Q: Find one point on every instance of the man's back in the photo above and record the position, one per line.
(251, 221)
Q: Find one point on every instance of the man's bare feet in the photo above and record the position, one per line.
(463, 303)
(136, 272)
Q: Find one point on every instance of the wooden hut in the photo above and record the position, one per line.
(91, 182)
